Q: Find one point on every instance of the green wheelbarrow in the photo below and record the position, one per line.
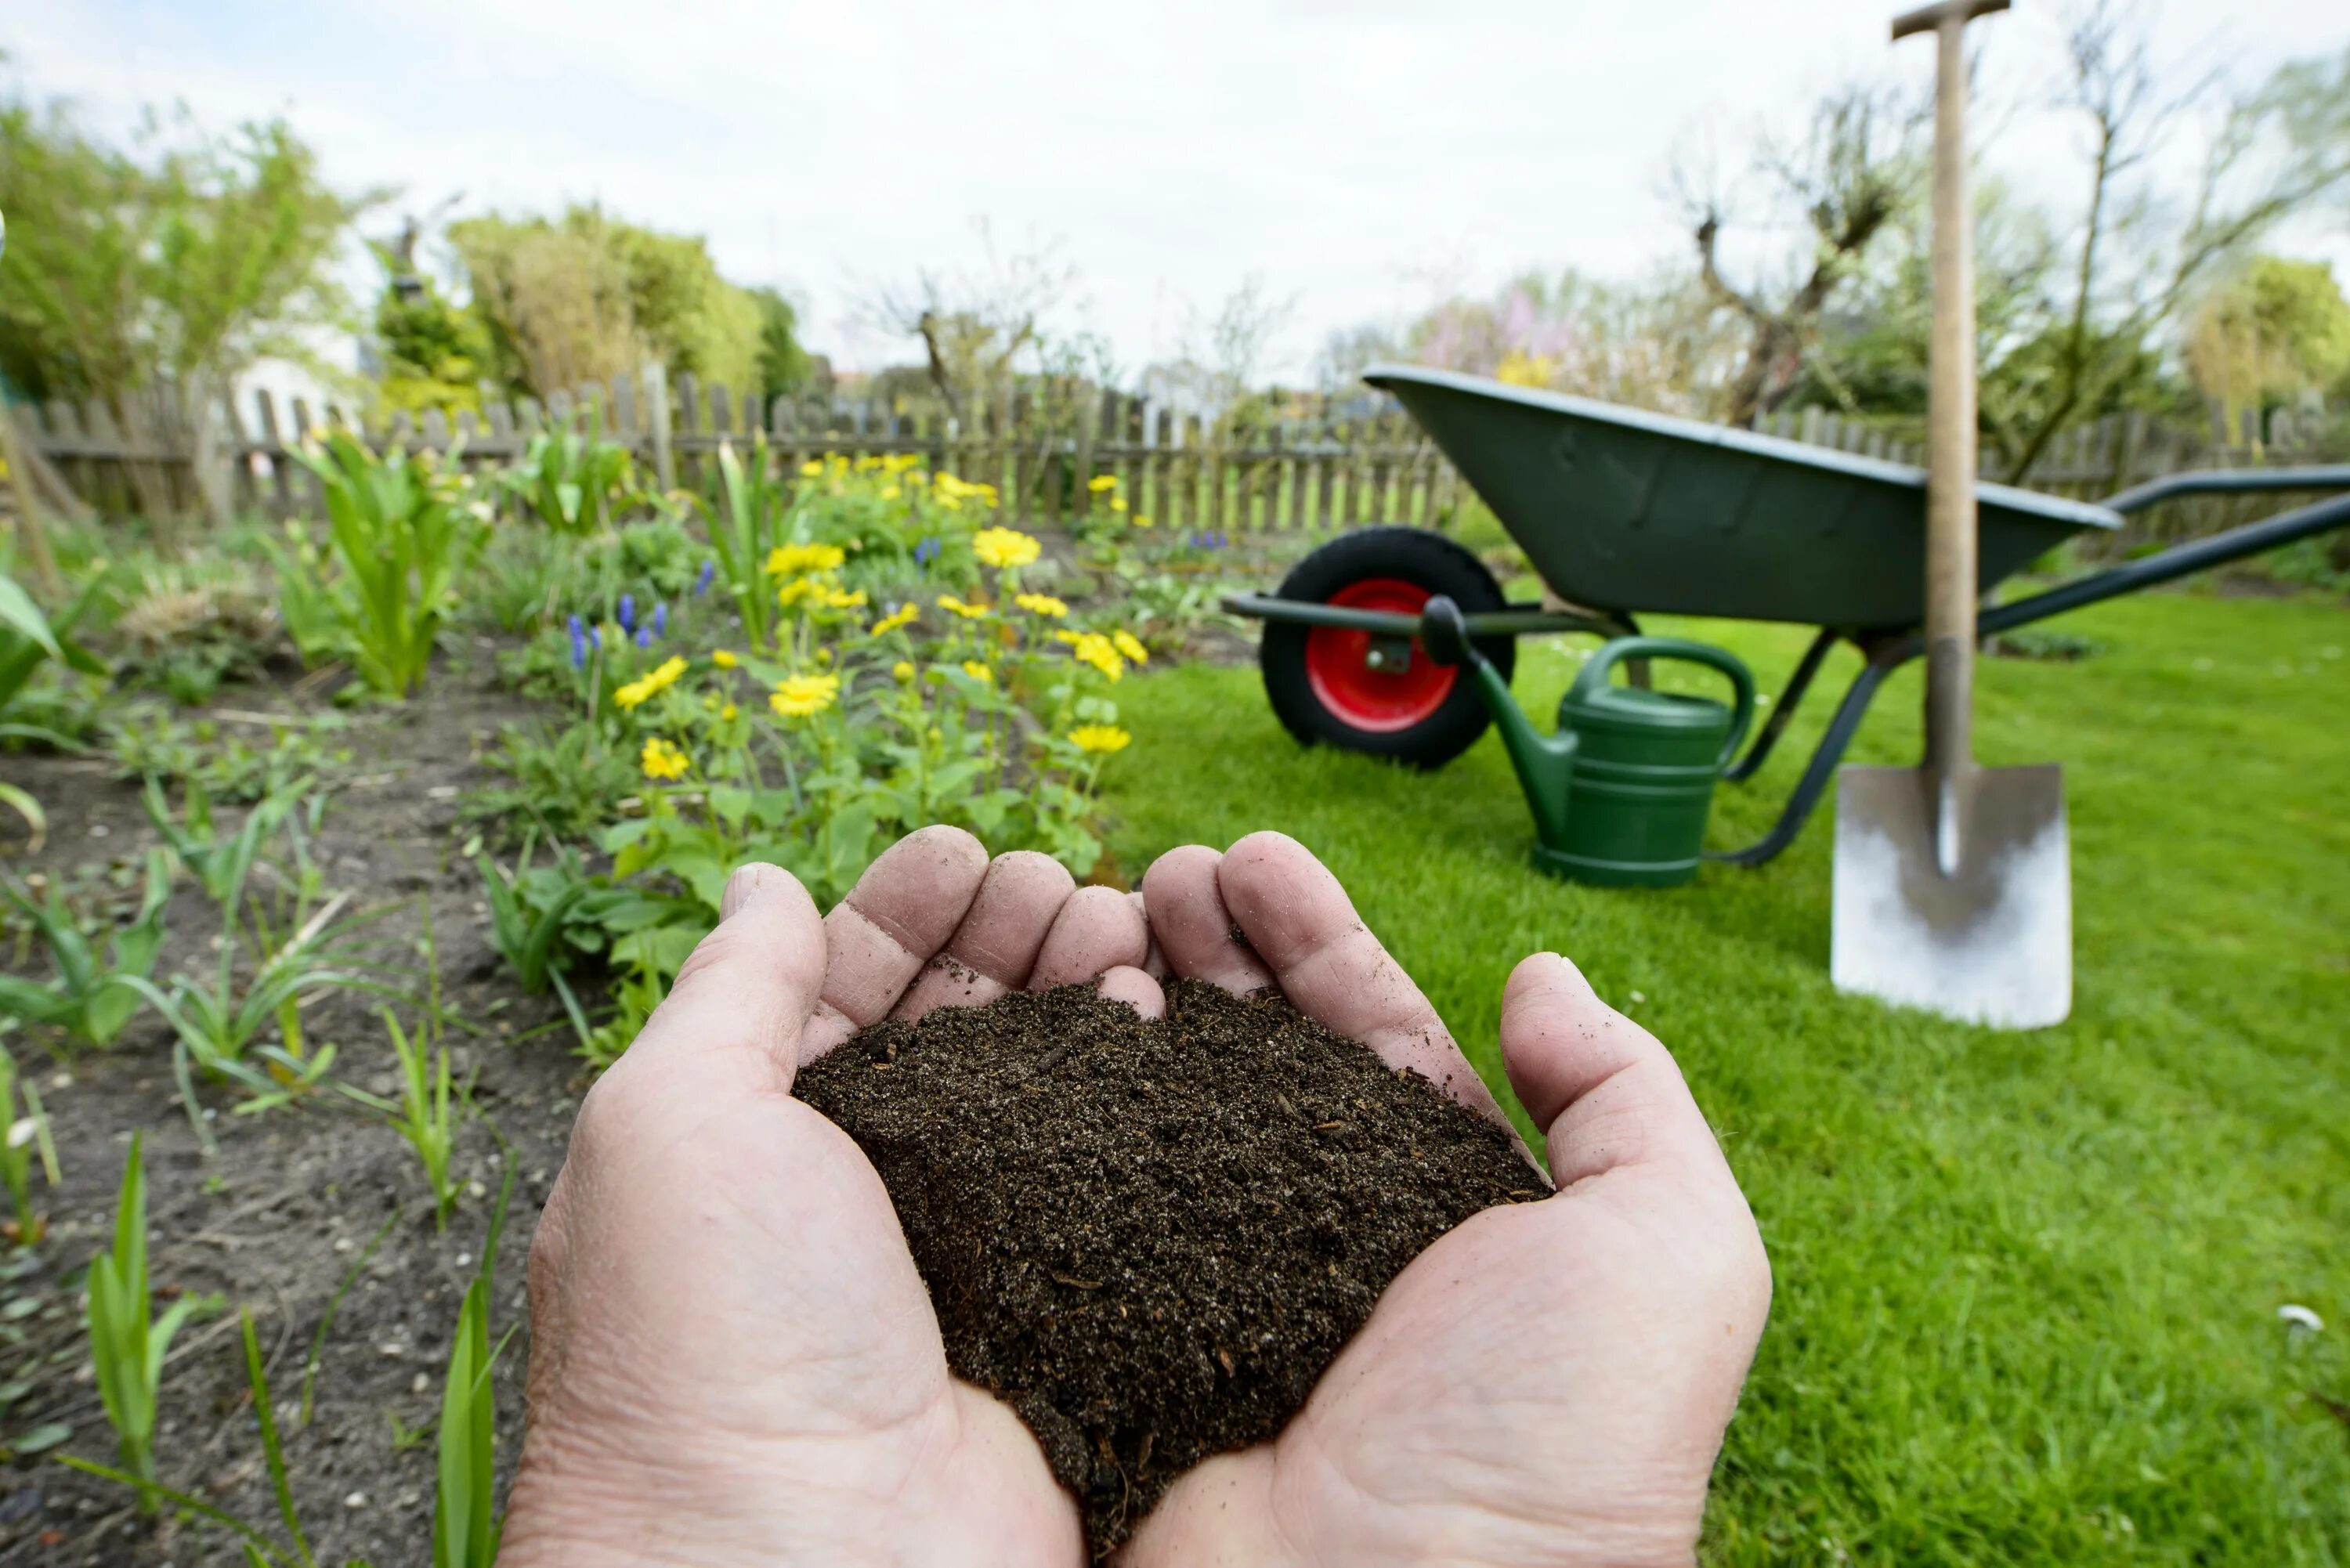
(1624, 513)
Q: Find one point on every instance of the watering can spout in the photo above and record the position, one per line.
(1546, 763)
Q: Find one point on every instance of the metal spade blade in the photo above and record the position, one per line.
(1990, 941)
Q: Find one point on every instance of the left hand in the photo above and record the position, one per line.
(733, 1360)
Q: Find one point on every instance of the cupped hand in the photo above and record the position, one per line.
(734, 1359)
(1547, 1383)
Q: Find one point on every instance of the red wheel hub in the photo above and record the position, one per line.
(1338, 664)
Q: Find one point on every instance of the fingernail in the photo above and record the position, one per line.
(739, 889)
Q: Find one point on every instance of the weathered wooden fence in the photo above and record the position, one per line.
(1178, 470)
(1181, 471)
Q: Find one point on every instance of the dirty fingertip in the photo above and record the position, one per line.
(1130, 986)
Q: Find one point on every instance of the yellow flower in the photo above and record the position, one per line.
(811, 469)
(800, 696)
(902, 672)
(663, 761)
(1142, 519)
(728, 712)
(1092, 647)
(831, 597)
(902, 615)
(889, 493)
(1101, 482)
(1118, 504)
(968, 611)
(1004, 547)
(796, 590)
(1099, 738)
(1041, 604)
(638, 691)
(1128, 644)
(723, 658)
(789, 560)
(976, 671)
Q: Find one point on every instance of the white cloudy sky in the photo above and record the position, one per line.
(1358, 154)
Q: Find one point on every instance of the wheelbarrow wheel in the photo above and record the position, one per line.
(1328, 685)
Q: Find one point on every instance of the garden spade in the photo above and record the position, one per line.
(1953, 882)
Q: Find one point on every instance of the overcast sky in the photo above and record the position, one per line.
(1360, 155)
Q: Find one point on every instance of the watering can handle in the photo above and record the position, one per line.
(1742, 679)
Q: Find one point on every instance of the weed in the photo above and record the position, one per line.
(90, 1001)
(572, 480)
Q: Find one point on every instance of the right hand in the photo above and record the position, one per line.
(1550, 1382)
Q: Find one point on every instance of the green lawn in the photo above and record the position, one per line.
(2027, 1285)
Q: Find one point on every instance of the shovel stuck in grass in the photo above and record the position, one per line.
(1953, 881)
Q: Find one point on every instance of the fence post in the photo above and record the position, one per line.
(655, 378)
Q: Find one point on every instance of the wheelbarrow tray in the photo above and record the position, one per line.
(1626, 510)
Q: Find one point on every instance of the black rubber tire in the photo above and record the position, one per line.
(1414, 555)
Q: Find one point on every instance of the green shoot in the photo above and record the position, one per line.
(465, 1524)
(425, 1118)
(464, 1505)
(126, 1341)
(25, 1134)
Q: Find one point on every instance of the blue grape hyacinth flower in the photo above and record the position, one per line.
(927, 550)
(578, 643)
(701, 583)
(627, 615)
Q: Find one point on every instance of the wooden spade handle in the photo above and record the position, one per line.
(1951, 570)
(1930, 18)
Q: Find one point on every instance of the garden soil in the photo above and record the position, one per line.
(286, 1212)
(1150, 1238)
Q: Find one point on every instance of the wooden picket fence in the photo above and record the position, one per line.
(1183, 472)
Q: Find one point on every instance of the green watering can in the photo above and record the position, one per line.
(1621, 791)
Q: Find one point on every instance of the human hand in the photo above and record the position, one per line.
(1547, 1383)
(733, 1358)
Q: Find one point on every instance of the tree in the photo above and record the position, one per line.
(980, 328)
(177, 270)
(783, 365)
(2276, 328)
(1852, 173)
(587, 297)
(2138, 261)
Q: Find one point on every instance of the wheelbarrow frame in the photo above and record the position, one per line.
(1885, 650)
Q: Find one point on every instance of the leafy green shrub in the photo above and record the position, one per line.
(403, 533)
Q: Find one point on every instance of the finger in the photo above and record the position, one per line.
(995, 950)
(1301, 924)
(732, 1021)
(1098, 929)
(1191, 925)
(1154, 962)
(893, 923)
(1134, 988)
(1606, 1093)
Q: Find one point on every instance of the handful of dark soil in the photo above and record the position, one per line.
(1150, 1238)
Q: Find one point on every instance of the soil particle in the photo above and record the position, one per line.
(1150, 1238)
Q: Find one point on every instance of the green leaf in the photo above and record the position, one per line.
(18, 610)
(42, 1438)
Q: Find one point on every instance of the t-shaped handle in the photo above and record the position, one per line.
(1930, 18)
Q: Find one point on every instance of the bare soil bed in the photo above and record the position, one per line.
(275, 1223)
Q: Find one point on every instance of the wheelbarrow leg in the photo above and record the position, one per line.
(1799, 683)
(1823, 765)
